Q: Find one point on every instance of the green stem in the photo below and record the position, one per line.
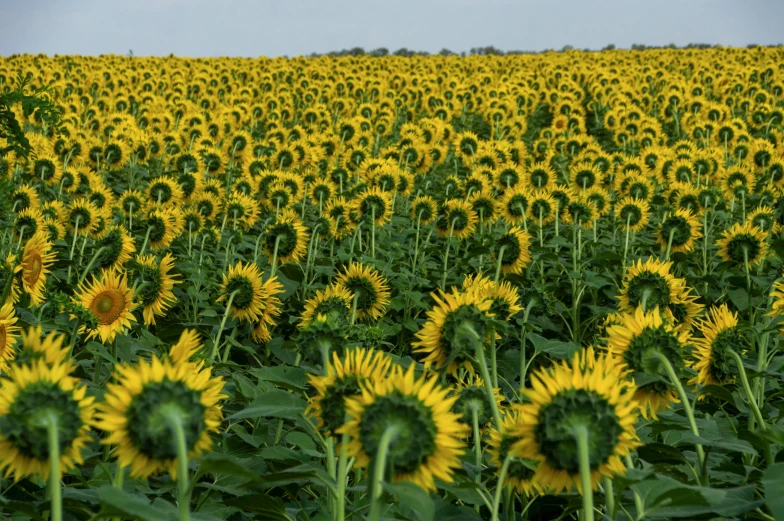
(609, 497)
(222, 325)
(676, 382)
(500, 487)
(379, 468)
(583, 451)
(638, 503)
(480, 356)
(500, 261)
(523, 337)
(54, 467)
(146, 240)
(354, 308)
(342, 471)
(183, 500)
(477, 443)
(669, 245)
(747, 388)
(92, 261)
(373, 231)
(748, 273)
(275, 254)
(446, 255)
(626, 243)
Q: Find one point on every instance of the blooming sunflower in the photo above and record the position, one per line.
(649, 283)
(438, 339)
(633, 212)
(743, 243)
(345, 377)
(116, 248)
(374, 204)
(472, 399)
(592, 393)
(271, 289)
(504, 298)
(710, 357)
(630, 338)
(684, 229)
(241, 209)
(36, 259)
(332, 299)
(425, 435)
(155, 283)
(148, 397)
(162, 227)
(34, 346)
(33, 397)
(9, 285)
(8, 334)
(520, 473)
(367, 287)
(458, 219)
(110, 301)
(244, 287)
(286, 238)
(424, 209)
(515, 256)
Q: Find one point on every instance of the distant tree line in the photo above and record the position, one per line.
(491, 50)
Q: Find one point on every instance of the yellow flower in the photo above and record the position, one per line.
(37, 257)
(743, 243)
(110, 301)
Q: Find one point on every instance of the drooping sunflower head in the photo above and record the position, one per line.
(443, 339)
(515, 204)
(28, 222)
(368, 288)
(541, 208)
(116, 248)
(649, 284)
(424, 209)
(472, 400)
(155, 281)
(375, 205)
(633, 212)
(162, 227)
(110, 301)
(520, 473)
(458, 219)
(272, 289)
(743, 243)
(680, 230)
(37, 257)
(241, 210)
(34, 398)
(413, 416)
(288, 236)
(710, 357)
(503, 297)
(243, 285)
(513, 249)
(589, 394)
(345, 377)
(631, 339)
(763, 218)
(148, 398)
(332, 299)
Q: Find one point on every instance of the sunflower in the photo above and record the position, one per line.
(34, 346)
(710, 357)
(368, 289)
(472, 399)
(591, 393)
(458, 220)
(162, 227)
(8, 334)
(28, 222)
(425, 435)
(244, 288)
(580, 212)
(37, 257)
(763, 218)
(165, 191)
(439, 339)
(147, 397)
(515, 256)
(633, 212)
(271, 289)
(504, 298)
(685, 309)
(630, 338)
(743, 243)
(241, 209)
(155, 282)
(374, 204)
(649, 283)
(110, 302)
(131, 202)
(53, 229)
(541, 208)
(206, 204)
(286, 238)
(32, 398)
(332, 299)
(82, 216)
(346, 376)
(520, 473)
(684, 229)
(515, 204)
(116, 248)
(424, 209)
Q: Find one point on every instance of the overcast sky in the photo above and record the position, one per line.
(297, 27)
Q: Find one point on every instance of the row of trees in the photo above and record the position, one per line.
(492, 50)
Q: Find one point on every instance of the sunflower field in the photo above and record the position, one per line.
(474, 288)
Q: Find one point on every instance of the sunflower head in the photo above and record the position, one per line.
(37, 257)
(109, 301)
(588, 394)
(650, 285)
(710, 357)
(743, 243)
(288, 236)
(520, 473)
(472, 399)
(8, 334)
(680, 230)
(368, 289)
(414, 416)
(35, 346)
(243, 286)
(513, 249)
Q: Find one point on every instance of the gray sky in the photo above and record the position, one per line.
(296, 27)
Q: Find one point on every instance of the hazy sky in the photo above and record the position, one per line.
(296, 27)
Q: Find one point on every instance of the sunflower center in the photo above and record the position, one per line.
(519, 469)
(681, 227)
(458, 220)
(585, 179)
(416, 438)
(333, 408)
(149, 415)
(539, 178)
(373, 205)
(36, 265)
(107, 306)
(188, 184)
(517, 205)
(23, 426)
(741, 242)
(205, 208)
(473, 399)
(649, 286)
(636, 356)
(722, 366)
(557, 420)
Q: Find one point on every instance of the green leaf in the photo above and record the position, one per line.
(115, 502)
(263, 506)
(272, 404)
(773, 480)
(740, 297)
(725, 442)
(660, 453)
(225, 465)
(412, 499)
(286, 376)
(554, 348)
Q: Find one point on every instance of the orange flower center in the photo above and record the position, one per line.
(107, 306)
